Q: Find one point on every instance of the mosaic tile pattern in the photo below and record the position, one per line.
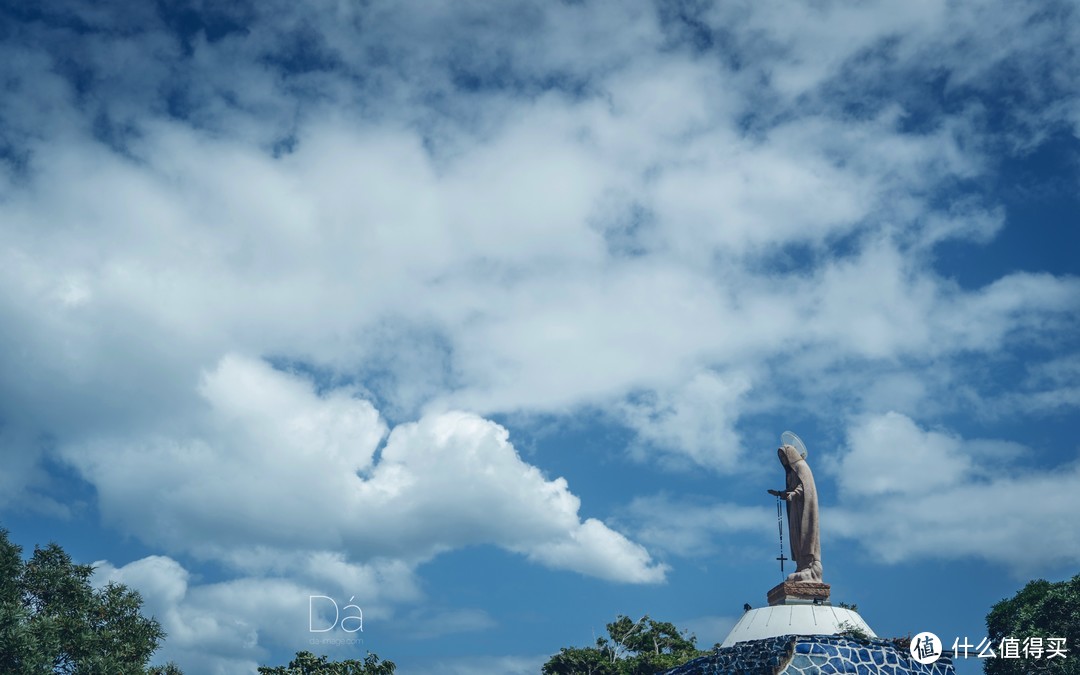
(813, 655)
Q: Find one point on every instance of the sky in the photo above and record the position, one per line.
(486, 318)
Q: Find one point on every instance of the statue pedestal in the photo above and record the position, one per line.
(798, 593)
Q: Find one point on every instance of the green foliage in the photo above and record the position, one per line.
(53, 621)
(640, 647)
(848, 629)
(579, 661)
(307, 663)
(1040, 609)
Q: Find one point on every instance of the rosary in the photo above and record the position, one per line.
(780, 529)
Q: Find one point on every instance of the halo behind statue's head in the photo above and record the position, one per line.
(789, 438)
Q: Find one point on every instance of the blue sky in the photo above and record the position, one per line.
(489, 318)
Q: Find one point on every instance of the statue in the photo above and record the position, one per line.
(802, 512)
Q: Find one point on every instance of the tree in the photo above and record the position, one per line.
(53, 621)
(307, 663)
(640, 647)
(580, 661)
(1039, 610)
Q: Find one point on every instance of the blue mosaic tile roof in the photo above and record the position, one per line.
(813, 655)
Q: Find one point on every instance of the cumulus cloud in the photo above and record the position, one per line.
(889, 454)
(694, 421)
(645, 274)
(912, 493)
(281, 467)
(228, 626)
(290, 490)
(1023, 522)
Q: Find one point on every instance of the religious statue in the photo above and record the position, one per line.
(802, 513)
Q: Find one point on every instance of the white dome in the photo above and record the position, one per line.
(795, 619)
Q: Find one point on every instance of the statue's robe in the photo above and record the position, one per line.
(802, 512)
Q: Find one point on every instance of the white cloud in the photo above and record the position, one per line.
(881, 304)
(593, 548)
(696, 421)
(1023, 521)
(281, 468)
(888, 454)
(458, 475)
(274, 461)
(160, 580)
(365, 239)
(219, 627)
(910, 493)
